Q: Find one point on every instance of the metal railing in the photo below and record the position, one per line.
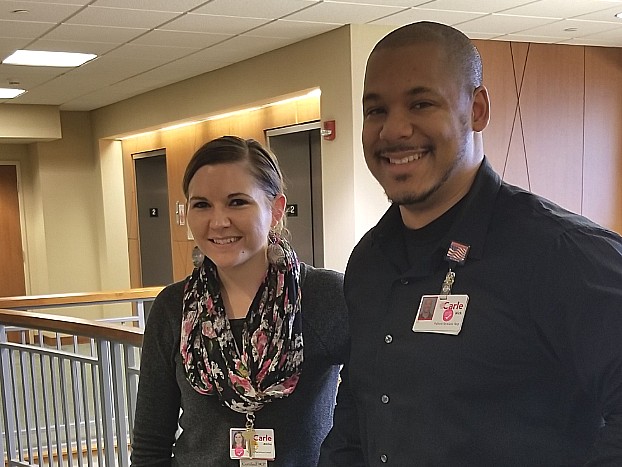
(68, 385)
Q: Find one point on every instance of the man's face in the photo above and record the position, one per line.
(417, 135)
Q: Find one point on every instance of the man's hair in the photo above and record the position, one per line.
(461, 53)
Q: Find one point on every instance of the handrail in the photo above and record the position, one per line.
(69, 325)
(68, 385)
(24, 302)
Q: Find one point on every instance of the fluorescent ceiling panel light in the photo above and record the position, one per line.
(10, 93)
(43, 58)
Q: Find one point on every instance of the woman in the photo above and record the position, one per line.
(252, 340)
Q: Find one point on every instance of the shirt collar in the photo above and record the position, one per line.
(469, 228)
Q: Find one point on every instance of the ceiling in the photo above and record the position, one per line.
(146, 44)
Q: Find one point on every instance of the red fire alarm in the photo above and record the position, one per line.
(328, 131)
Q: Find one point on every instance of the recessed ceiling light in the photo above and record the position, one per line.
(10, 93)
(43, 58)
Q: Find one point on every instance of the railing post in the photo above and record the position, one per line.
(105, 387)
(10, 431)
(140, 310)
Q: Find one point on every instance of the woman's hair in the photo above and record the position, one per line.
(227, 149)
(261, 161)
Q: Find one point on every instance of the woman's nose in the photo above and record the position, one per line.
(220, 219)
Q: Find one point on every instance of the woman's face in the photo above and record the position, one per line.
(230, 215)
(238, 439)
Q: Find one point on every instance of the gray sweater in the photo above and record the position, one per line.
(300, 421)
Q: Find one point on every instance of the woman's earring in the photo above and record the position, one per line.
(276, 255)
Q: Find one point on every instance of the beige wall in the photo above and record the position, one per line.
(25, 123)
(323, 61)
(571, 106)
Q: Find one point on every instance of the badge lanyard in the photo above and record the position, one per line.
(456, 255)
(257, 447)
(444, 313)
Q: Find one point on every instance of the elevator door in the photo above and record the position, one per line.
(298, 149)
(154, 231)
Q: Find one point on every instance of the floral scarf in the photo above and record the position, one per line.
(268, 365)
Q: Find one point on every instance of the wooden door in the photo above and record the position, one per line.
(12, 279)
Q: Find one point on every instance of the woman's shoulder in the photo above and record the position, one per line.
(168, 303)
(312, 277)
(322, 291)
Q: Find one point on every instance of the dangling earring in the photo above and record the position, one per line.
(276, 253)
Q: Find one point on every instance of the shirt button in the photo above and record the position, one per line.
(384, 399)
(404, 281)
(383, 458)
(388, 338)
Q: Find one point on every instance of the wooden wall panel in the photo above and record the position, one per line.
(551, 104)
(602, 196)
(500, 141)
(180, 144)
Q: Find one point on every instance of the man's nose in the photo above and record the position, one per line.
(396, 126)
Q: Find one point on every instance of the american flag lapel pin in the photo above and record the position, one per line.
(457, 252)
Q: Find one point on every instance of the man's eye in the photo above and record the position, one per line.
(374, 111)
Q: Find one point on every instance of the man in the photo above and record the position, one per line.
(521, 364)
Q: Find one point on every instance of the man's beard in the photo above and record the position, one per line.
(409, 199)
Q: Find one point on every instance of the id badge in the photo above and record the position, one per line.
(441, 314)
(256, 444)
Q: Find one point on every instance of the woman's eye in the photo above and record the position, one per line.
(421, 105)
(199, 205)
(238, 202)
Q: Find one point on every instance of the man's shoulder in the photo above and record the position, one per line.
(530, 210)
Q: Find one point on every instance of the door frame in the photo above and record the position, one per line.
(317, 218)
(22, 220)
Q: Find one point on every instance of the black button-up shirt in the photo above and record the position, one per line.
(534, 378)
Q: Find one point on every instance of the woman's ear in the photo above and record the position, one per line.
(278, 209)
(480, 115)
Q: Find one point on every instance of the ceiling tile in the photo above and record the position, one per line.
(482, 6)
(8, 46)
(176, 6)
(97, 48)
(23, 29)
(62, 2)
(503, 24)
(197, 40)
(607, 14)
(294, 29)
(266, 9)
(385, 3)
(156, 53)
(29, 76)
(344, 13)
(43, 12)
(75, 32)
(556, 8)
(565, 29)
(420, 14)
(214, 24)
(118, 17)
